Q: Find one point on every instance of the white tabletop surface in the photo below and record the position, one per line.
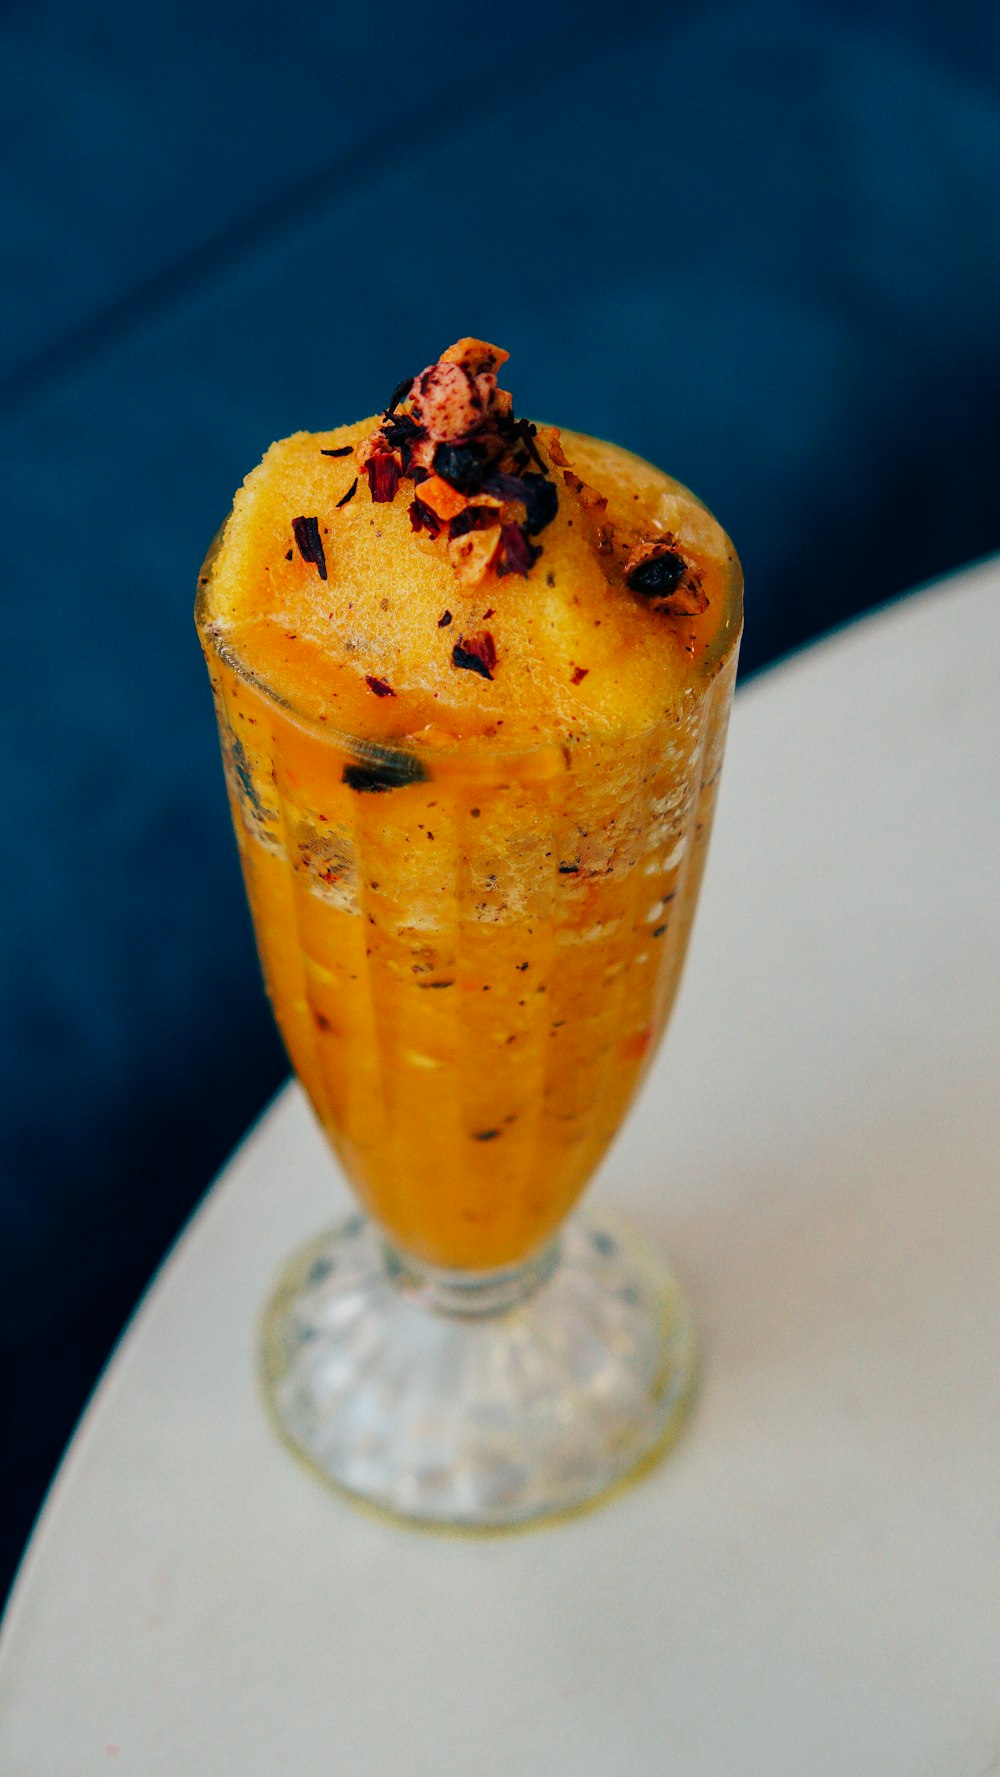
(810, 1585)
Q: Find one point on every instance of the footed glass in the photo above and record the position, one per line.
(471, 955)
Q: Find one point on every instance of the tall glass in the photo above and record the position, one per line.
(471, 955)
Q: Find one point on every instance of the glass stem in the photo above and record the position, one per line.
(469, 1295)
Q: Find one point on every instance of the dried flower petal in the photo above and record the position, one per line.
(538, 495)
(343, 450)
(476, 653)
(474, 518)
(463, 466)
(381, 687)
(400, 432)
(453, 432)
(423, 519)
(310, 543)
(517, 554)
(382, 471)
(525, 431)
(400, 393)
(352, 490)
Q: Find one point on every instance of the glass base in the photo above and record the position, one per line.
(472, 1401)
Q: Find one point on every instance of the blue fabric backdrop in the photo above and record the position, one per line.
(757, 242)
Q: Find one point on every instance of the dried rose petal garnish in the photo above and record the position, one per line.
(476, 654)
(490, 483)
(451, 431)
(463, 466)
(381, 687)
(423, 519)
(382, 471)
(534, 492)
(310, 543)
(474, 518)
(517, 554)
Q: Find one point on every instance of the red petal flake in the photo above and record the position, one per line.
(381, 687)
(382, 471)
(476, 653)
(517, 554)
(423, 519)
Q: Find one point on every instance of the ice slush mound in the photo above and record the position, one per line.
(444, 571)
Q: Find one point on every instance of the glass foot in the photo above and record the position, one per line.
(478, 1402)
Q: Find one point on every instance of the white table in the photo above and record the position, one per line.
(810, 1585)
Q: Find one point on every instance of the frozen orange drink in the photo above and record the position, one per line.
(472, 676)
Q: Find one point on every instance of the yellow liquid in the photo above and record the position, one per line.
(471, 940)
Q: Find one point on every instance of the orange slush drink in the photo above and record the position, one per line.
(472, 677)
